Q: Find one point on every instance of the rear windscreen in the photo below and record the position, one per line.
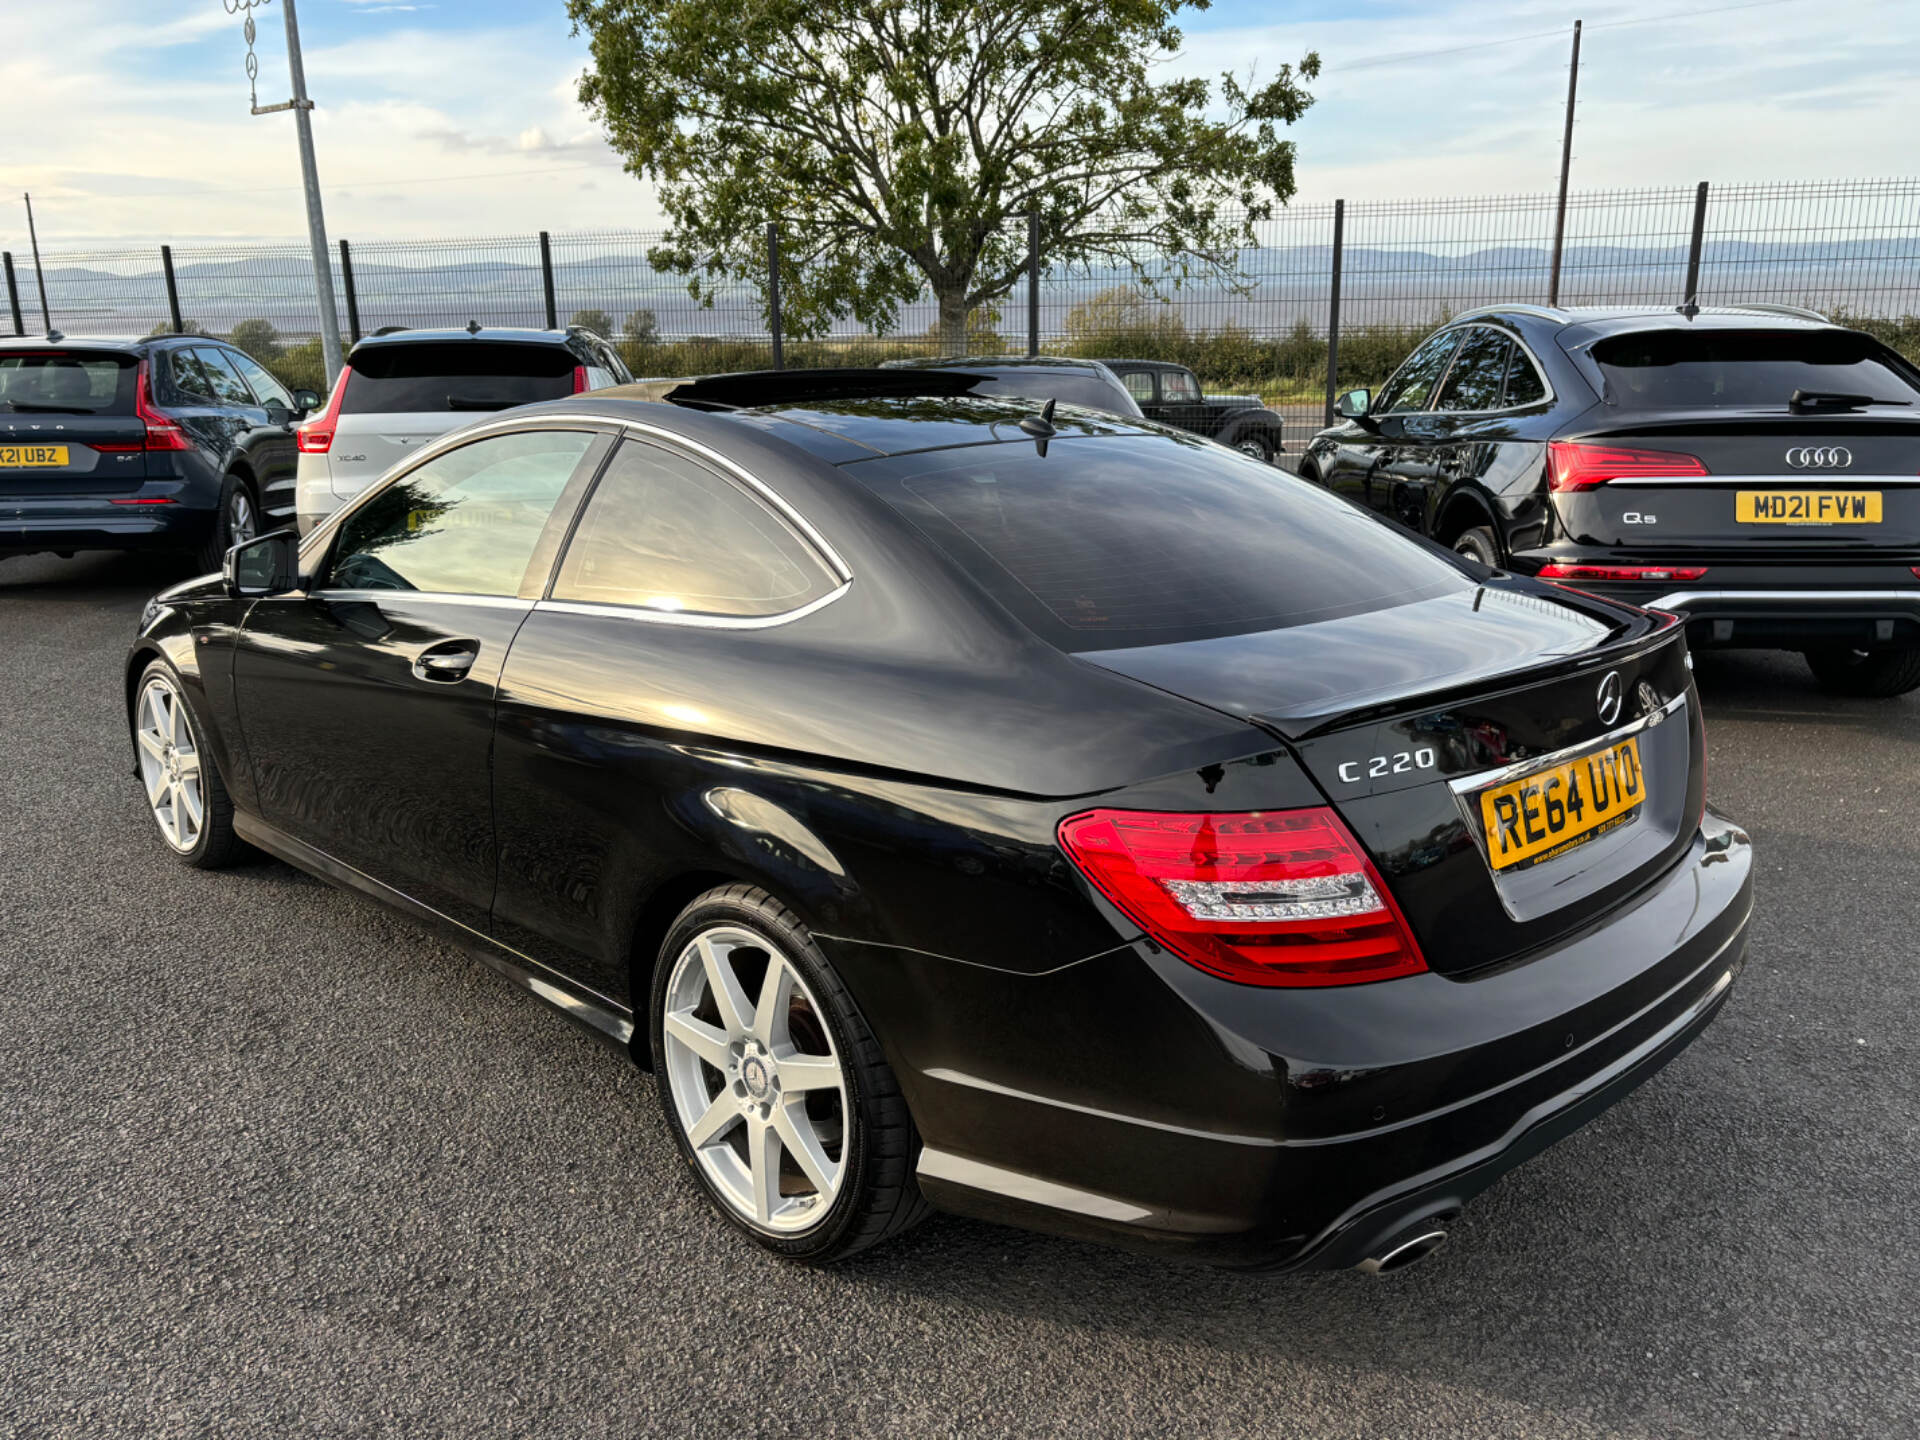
(1147, 540)
(455, 375)
(66, 383)
(1694, 369)
(1088, 390)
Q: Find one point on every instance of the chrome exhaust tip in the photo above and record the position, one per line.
(1409, 1247)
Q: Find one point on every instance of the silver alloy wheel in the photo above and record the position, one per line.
(170, 764)
(240, 521)
(756, 1083)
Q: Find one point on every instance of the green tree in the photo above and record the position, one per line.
(598, 321)
(258, 338)
(187, 327)
(899, 144)
(642, 328)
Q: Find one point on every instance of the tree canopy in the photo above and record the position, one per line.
(900, 144)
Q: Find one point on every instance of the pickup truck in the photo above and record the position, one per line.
(1171, 394)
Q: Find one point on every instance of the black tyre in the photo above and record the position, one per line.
(179, 776)
(774, 1087)
(1871, 674)
(1479, 544)
(1261, 447)
(236, 521)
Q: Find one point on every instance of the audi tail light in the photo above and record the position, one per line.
(162, 433)
(1575, 466)
(1621, 572)
(315, 436)
(1283, 897)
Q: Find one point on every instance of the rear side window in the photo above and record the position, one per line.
(1139, 384)
(1136, 540)
(1694, 369)
(65, 383)
(664, 532)
(456, 375)
(1179, 387)
(188, 377)
(464, 523)
(1524, 385)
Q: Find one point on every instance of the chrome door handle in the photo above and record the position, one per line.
(446, 662)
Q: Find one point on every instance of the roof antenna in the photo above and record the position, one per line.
(1690, 308)
(1040, 427)
(473, 327)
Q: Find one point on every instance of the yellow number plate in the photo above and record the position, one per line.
(1554, 810)
(19, 457)
(1807, 507)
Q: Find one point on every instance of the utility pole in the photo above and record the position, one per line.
(33, 238)
(302, 109)
(1566, 165)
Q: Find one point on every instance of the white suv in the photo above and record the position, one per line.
(402, 388)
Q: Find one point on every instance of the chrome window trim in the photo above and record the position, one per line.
(571, 419)
(1539, 372)
(1520, 769)
(691, 617)
(440, 597)
(1797, 479)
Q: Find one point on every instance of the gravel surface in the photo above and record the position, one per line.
(274, 1162)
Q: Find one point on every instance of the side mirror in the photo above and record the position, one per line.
(269, 565)
(306, 401)
(1354, 405)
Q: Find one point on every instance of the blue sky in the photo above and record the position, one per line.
(458, 117)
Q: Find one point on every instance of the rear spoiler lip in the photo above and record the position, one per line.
(1666, 629)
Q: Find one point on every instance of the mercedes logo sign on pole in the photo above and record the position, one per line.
(1820, 457)
(1609, 700)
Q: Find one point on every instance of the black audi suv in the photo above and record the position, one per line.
(1754, 470)
(177, 442)
(961, 802)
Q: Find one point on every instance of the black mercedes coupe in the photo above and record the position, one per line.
(961, 803)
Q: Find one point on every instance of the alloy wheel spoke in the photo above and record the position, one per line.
(800, 1073)
(722, 1114)
(699, 1037)
(763, 1155)
(157, 787)
(796, 1133)
(735, 1012)
(189, 763)
(152, 744)
(776, 996)
(191, 795)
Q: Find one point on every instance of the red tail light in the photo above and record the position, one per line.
(145, 500)
(580, 385)
(1572, 466)
(162, 433)
(1282, 897)
(315, 436)
(1621, 572)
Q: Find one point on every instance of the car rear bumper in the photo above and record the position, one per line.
(1298, 1129)
(1791, 606)
(28, 526)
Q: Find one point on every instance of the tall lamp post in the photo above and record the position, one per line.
(302, 109)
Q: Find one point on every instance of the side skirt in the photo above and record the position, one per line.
(601, 1017)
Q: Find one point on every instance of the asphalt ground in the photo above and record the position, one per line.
(273, 1162)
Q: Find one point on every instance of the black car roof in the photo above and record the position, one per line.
(1578, 323)
(1146, 364)
(838, 427)
(461, 334)
(130, 344)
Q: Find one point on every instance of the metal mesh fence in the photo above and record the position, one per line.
(1256, 320)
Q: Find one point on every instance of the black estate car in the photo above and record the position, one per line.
(177, 442)
(1755, 470)
(1055, 819)
(1086, 383)
(1172, 395)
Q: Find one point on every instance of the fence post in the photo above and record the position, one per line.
(1033, 282)
(13, 295)
(173, 290)
(546, 280)
(1699, 241)
(1333, 308)
(773, 293)
(353, 300)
